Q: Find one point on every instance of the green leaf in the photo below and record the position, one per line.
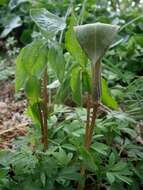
(57, 61)
(139, 39)
(32, 89)
(14, 22)
(119, 166)
(43, 179)
(14, 3)
(62, 158)
(69, 147)
(116, 186)
(69, 173)
(107, 99)
(21, 73)
(122, 116)
(112, 159)
(49, 23)
(129, 131)
(63, 91)
(88, 159)
(33, 112)
(38, 67)
(100, 148)
(3, 2)
(26, 36)
(30, 63)
(110, 177)
(72, 44)
(5, 157)
(76, 85)
(95, 39)
(86, 78)
(123, 178)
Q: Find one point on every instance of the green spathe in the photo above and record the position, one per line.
(95, 38)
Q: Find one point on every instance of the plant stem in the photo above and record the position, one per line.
(96, 81)
(41, 122)
(82, 169)
(45, 109)
(87, 121)
(88, 133)
(93, 120)
(96, 94)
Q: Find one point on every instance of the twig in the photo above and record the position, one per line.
(13, 128)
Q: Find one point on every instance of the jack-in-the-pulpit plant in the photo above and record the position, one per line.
(32, 67)
(94, 39)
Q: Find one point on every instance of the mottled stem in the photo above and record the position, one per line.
(82, 169)
(94, 104)
(96, 81)
(45, 109)
(41, 122)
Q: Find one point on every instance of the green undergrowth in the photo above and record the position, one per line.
(114, 161)
(53, 61)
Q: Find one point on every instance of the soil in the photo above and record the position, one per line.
(13, 121)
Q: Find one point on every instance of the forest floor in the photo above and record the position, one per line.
(13, 121)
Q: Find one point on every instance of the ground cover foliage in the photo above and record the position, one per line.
(53, 59)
